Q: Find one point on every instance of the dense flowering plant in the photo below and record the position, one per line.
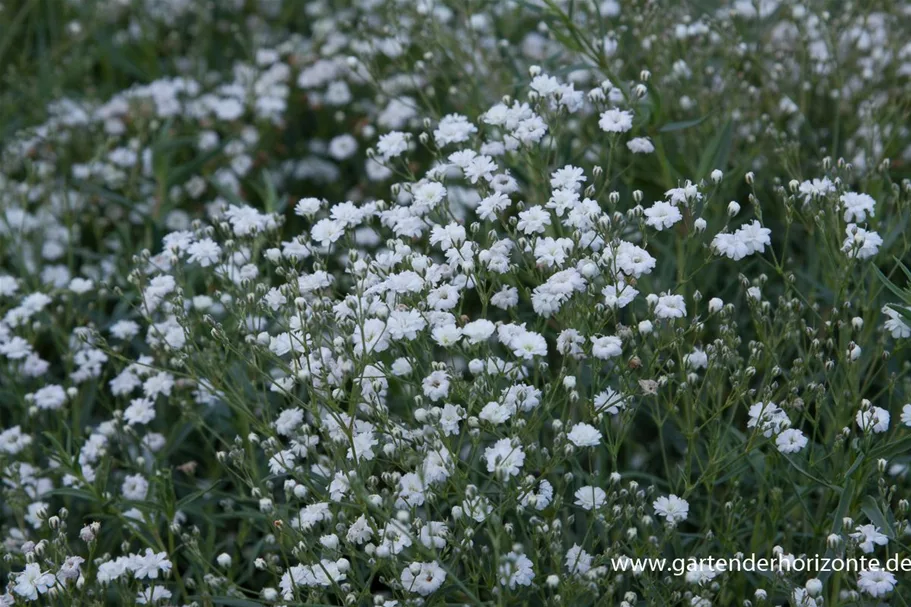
(430, 303)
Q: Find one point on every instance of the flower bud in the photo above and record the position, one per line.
(814, 587)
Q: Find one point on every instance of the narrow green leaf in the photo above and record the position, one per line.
(715, 155)
(890, 285)
(841, 511)
(71, 492)
(226, 600)
(184, 501)
(876, 516)
(681, 125)
(892, 449)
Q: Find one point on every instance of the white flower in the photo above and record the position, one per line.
(504, 458)
(868, 537)
(791, 441)
(528, 344)
(453, 128)
(49, 397)
(434, 534)
(342, 146)
(327, 231)
(405, 324)
(152, 595)
(359, 531)
(401, 367)
(478, 331)
(436, 385)
(684, 195)
(490, 207)
(619, 295)
(860, 243)
(32, 581)
(697, 359)
(550, 252)
(569, 178)
(423, 578)
(754, 236)
(450, 416)
(516, 570)
(205, 252)
(662, 215)
(288, 421)
(816, 188)
(541, 499)
(584, 435)
(13, 440)
(427, 194)
(616, 121)
(670, 306)
(477, 507)
(730, 246)
(8, 285)
(629, 259)
(590, 498)
(124, 329)
(672, 508)
(803, 597)
(876, 582)
(392, 144)
(609, 346)
(577, 560)
(141, 411)
(701, 574)
(609, 401)
(150, 565)
(80, 286)
(640, 145)
(874, 419)
(135, 487)
(310, 515)
(769, 418)
(307, 207)
(411, 491)
(896, 324)
(857, 206)
(533, 221)
(447, 335)
(70, 569)
(112, 570)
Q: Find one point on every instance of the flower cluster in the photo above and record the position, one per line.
(315, 324)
